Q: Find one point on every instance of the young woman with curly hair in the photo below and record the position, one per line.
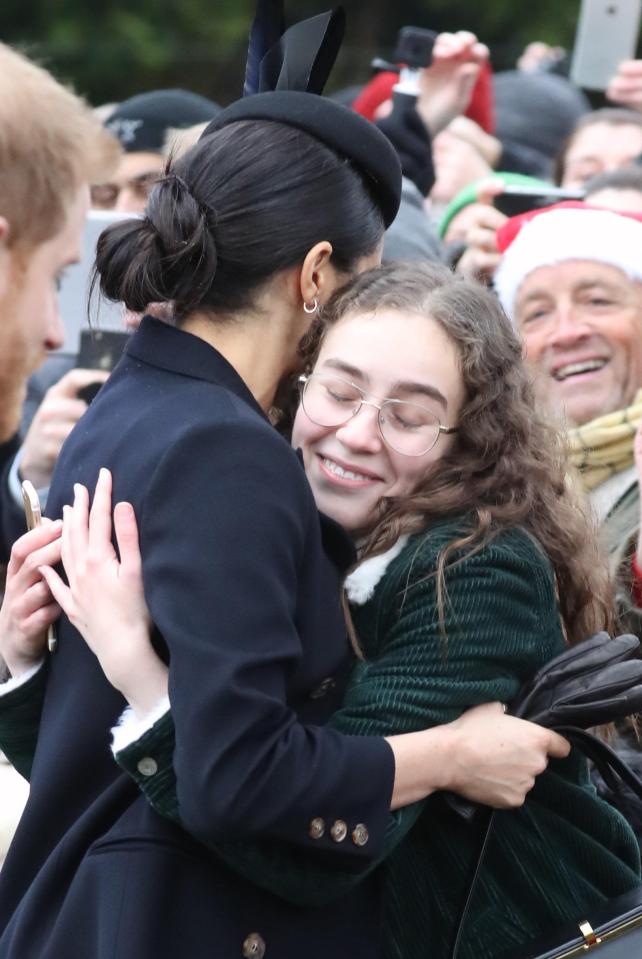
(420, 433)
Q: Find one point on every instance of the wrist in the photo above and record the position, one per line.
(145, 686)
(14, 666)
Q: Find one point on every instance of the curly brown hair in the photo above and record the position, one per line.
(508, 465)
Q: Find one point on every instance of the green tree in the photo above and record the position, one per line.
(110, 49)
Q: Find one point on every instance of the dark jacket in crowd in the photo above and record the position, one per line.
(7, 452)
(246, 607)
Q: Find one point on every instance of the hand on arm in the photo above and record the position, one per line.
(57, 415)
(486, 756)
(28, 607)
(104, 599)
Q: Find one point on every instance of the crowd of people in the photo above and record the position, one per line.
(371, 458)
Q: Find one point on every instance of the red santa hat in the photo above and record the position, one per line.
(566, 231)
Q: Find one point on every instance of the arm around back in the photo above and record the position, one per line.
(234, 580)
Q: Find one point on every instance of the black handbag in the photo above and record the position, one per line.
(595, 682)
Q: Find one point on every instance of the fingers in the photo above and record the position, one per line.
(558, 747)
(41, 619)
(127, 538)
(100, 546)
(59, 590)
(31, 542)
(75, 380)
(75, 533)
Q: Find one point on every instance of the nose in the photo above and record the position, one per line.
(361, 432)
(570, 327)
(54, 330)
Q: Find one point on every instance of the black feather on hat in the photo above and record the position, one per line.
(285, 76)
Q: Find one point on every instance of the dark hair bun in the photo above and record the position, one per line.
(168, 255)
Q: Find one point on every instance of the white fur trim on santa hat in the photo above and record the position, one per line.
(553, 237)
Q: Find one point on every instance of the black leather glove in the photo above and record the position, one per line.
(595, 682)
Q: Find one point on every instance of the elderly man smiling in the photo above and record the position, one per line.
(571, 279)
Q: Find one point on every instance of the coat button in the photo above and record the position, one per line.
(339, 831)
(254, 946)
(317, 828)
(323, 688)
(360, 834)
(147, 766)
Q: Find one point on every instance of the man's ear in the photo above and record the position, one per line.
(318, 276)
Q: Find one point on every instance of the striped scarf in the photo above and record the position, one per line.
(604, 446)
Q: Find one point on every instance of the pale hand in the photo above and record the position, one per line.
(626, 86)
(28, 607)
(495, 758)
(104, 599)
(481, 257)
(55, 418)
(457, 163)
(446, 86)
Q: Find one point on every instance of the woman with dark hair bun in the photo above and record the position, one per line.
(285, 197)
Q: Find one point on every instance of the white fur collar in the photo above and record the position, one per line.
(360, 584)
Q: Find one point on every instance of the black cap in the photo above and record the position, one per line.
(141, 123)
(340, 129)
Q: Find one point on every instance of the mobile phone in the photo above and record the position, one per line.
(607, 34)
(515, 200)
(76, 311)
(99, 350)
(414, 47)
(414, 50)
(33, 516)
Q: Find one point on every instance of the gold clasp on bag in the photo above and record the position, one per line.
(590, 936)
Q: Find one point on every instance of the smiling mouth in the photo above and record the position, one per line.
(342, 473)
(578, 369)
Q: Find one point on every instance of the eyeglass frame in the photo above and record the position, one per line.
(305, 378)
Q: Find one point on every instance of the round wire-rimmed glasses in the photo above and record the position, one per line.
(408, 428)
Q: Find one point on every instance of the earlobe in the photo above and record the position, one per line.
(316, 281)
(4, 231)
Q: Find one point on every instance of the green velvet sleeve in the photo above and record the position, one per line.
(20, 712)
(500, 624)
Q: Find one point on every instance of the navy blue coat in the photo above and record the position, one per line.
(245, 603)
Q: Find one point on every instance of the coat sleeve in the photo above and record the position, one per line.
(12, 520)
(225, 526)
(20, 711)
(493, 642)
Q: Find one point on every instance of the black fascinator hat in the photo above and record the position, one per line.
(285, 76)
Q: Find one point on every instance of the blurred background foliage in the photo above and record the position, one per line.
(111, 49)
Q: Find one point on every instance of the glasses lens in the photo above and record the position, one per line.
(408, 428)
(329, 401)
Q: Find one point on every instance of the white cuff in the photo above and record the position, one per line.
(131, 727)
(16, 681)
(15, 486)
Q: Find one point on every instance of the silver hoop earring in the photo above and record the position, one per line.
(311, 309)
